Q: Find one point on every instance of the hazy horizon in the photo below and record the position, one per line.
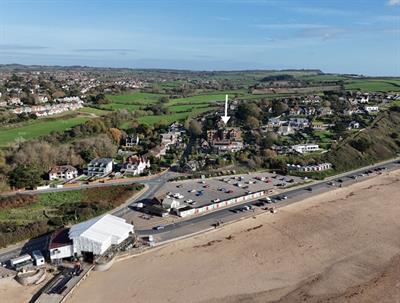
(361, 37)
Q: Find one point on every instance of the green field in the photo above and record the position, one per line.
(92, 110)
(168, 119)
(37, 128)
(200, 99)
(135, 98)
(117, 106)
(374, 85)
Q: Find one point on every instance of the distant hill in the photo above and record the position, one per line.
(379, 142)
(22, 67)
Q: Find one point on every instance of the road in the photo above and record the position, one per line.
(204, 222)
(143, 180)
(41, 243)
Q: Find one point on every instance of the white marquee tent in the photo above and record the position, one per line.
(98, 234)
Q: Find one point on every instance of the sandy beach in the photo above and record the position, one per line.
(342, 246)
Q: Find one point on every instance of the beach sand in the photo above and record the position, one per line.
(340, 246)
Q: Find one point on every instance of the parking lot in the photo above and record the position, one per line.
(198, 193)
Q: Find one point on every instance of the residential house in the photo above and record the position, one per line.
(299, 123)
(305, 148)
(285, 130)
(312, 100)
(274, 122)
(135, 165)
(100, 167)
(131, 140)
(324, 111)
(353, 125)
(371, 109)
(64, 172)
(225, 140)
(14, 101)
(317, 125)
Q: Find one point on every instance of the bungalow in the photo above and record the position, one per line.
(305, 148)
(64, 172)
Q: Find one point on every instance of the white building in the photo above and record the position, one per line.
(305, 148)
(64, 172)
(371, 109)
(97, 235)
(94, 236)
(310, 168)
(170, 203)
(135, 165)
(285, 130)
(60, 245)
(100, 167)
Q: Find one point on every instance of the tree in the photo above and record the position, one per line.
(252, 122)
(269, 140)
(115, 134)
(164, 99)
(246, 110)
(361, 144)
(25, 176)
(195, 129)
(279, 107)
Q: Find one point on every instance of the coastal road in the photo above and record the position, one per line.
(204, 222)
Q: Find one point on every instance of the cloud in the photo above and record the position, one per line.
(18, 47)
(393, 2)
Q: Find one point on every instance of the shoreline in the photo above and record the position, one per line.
(226, 245)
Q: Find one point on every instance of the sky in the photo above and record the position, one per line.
(336, 36)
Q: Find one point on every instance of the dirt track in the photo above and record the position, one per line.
(342, 246)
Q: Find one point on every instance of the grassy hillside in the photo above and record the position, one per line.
(376, 143)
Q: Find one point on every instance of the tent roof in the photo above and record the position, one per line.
(101, 228)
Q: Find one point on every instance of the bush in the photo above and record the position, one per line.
(17, 201)
(361, 144)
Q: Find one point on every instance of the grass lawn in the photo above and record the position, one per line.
(325, 136)
(37, 128)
